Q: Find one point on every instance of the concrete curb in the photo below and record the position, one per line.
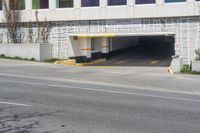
(73, 62)
(170, 70)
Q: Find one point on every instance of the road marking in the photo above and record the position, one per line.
(16, 104)
(86, 82)
(105, 91)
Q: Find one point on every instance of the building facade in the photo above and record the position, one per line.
(81, 28)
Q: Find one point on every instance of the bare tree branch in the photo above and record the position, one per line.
(12, 18)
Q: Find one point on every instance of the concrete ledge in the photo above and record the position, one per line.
(176, 65)
(73, 62)
(37, 51)
(195, 66)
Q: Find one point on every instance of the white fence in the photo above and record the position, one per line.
(38, 52)
(186, 31)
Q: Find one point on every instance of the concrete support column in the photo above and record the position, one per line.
(86, 47)
(103, 3)
(52, 4)
(130, 2)
(77, 3)
(160, 2)
(105, 47)
(28, 4)
(191, 1)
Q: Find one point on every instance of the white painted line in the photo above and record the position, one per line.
(15, 104)
(100, 83)
(107, 91)
(130, 93)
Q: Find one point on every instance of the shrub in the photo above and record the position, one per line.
(185, 69)
(52, 60)
(2, 55)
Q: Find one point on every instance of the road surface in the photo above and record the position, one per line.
(36, 98)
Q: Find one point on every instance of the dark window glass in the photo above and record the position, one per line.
(171, 1)
(40, 4)
(89, 3)
(22, 4)
(0, 4)
(145, 1)
(17, 4)
(117, 2)
(65, 3)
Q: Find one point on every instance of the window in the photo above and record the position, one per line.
(17, 4)
(171, 1)
(40, 4)
(65, 3)
(117, 2)
(22, 4)
(145, 1)
(89, 3)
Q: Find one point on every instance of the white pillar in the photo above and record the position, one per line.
(105, 45)
(130, 2)
(160, 2)
(86, 47)
(103, 3)
(191, 1)
(77, 3)
(52, 4)
(28, 5)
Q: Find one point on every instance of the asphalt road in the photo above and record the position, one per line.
(34, 104)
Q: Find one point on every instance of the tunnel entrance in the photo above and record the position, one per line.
(141, 51)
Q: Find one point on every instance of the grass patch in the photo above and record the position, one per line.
(15, 58)
(51, 60)
(195, 73)
(187, 70)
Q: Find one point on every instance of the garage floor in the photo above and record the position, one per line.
(146, 54)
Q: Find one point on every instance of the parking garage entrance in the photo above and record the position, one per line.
(140, 51)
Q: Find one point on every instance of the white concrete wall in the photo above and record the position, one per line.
(160, 9)
(123, 42)
(85, 45)
(37, 51)
(80, 47)
(75, 47)
(45, 51)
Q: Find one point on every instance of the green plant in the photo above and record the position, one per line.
(51, 60)
(197, 51)
(18, 58)
(32, 59)
(2, 55)
(185, 69)
(15, 58)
